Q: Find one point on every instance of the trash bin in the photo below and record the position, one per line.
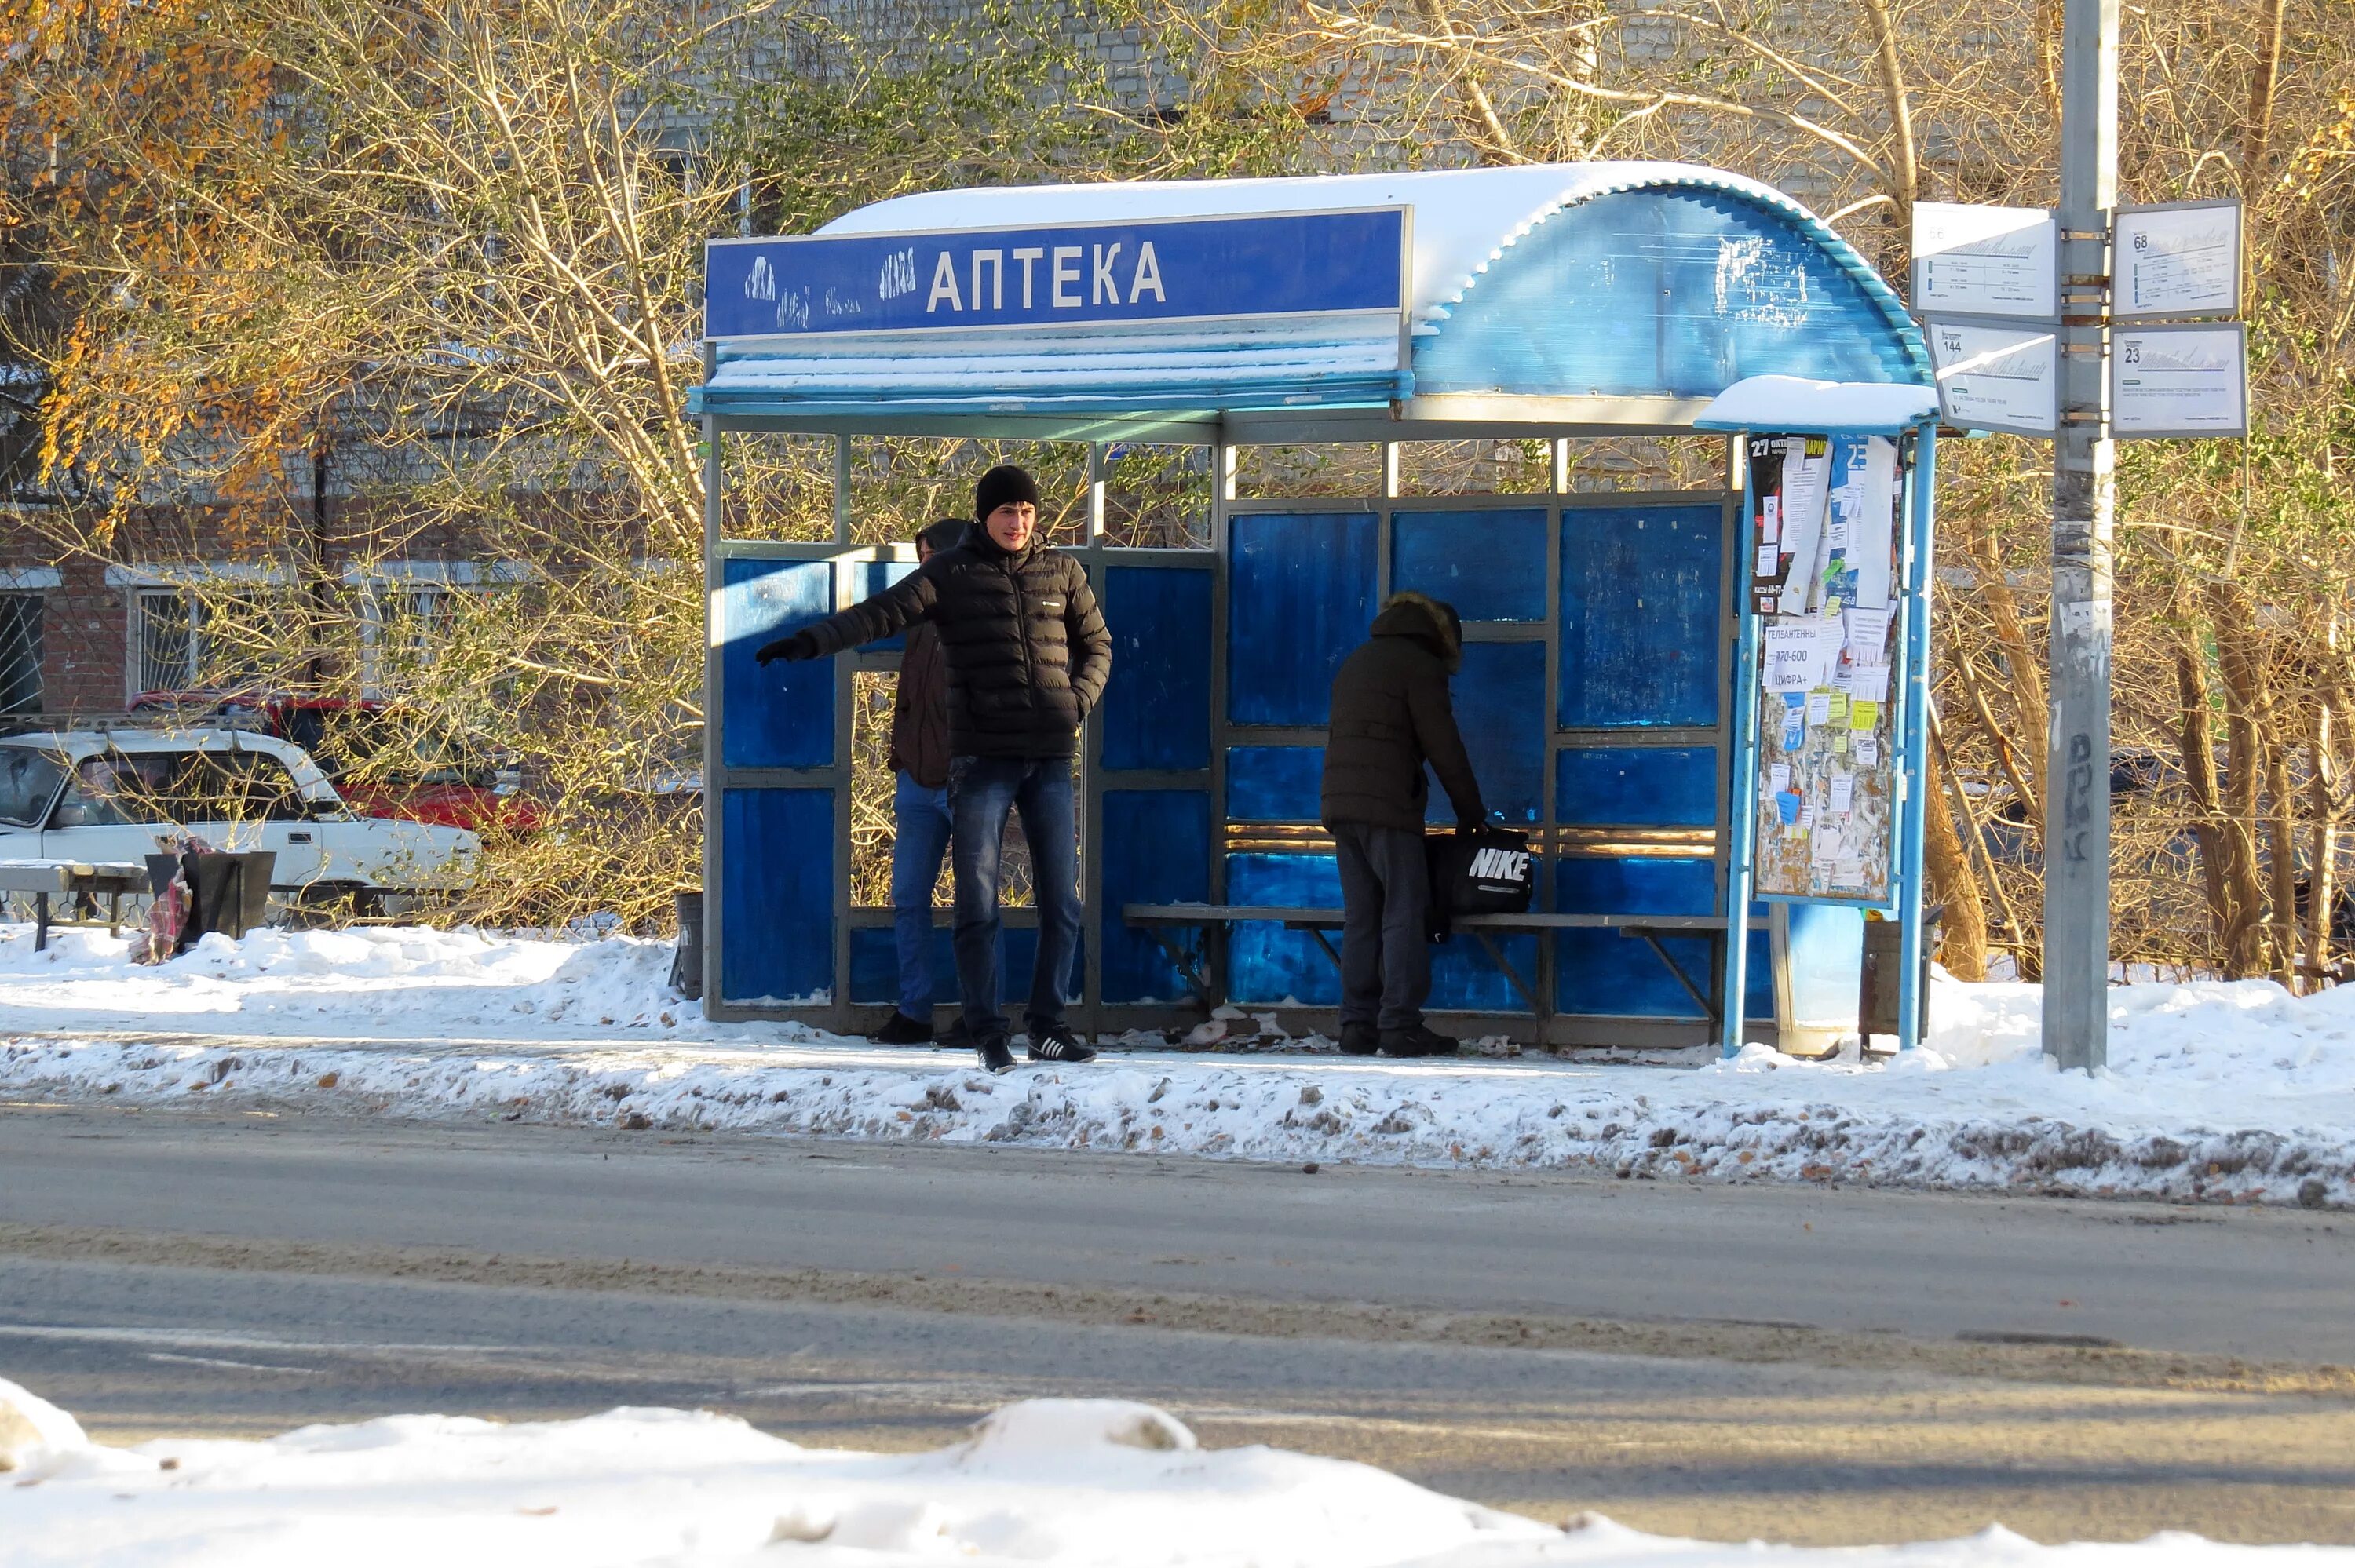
(228, 892)
(687, 960)
(1876, 1008)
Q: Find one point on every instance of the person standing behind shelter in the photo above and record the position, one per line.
(1391, 714)
(1028, 657)
(919, 805)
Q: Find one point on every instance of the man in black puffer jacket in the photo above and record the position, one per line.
(1028, 657)
(1392, 714)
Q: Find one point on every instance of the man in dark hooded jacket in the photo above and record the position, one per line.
(1028, 657)
(1392, 714)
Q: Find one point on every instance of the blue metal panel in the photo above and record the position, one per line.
(875, 965)
(1758, 974)
(776, 891)
(1825, 959)
(1499, 698)
(873, 578)
(1266, 963)
(1603, 972)
(1299, 599)
(781, 717)
(1157, 850)
(1640, 615)
(1637, 786)
(1487, 564)
(1156, 712)
(1464, 978)
(1275, 783)
(1675, 293)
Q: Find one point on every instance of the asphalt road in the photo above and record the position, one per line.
(1804, 1364)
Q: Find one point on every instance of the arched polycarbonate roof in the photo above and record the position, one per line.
(1649, 283)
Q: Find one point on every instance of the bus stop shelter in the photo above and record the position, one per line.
(1610, 694)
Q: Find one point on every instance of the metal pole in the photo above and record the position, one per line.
(2077, 767)
(1921, 485)
(715, 574)
(1742, 803)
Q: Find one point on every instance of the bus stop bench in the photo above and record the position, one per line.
(82, 882)
(1162, 922)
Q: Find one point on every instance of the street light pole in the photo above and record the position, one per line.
(2077, 765)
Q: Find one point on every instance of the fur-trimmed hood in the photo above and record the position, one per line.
(1429, 621)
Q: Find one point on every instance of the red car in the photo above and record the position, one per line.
(448, 780)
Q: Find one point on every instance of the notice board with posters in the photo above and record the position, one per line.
(1825, 549)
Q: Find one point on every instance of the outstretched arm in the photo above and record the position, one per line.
(908, 600)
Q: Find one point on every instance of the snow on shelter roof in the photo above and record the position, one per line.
(1831, 408)
(1462, 223)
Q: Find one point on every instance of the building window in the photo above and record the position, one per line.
(412, 620)
(410, 610)
(181, 640)
(20, 652)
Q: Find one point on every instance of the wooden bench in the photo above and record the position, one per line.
(1162, 921)
(83, 881)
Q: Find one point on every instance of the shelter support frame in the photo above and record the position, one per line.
(1733, 733)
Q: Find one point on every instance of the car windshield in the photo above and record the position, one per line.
(28, 782)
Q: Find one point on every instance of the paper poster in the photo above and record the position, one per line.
(1765, 518)
(1867, 635)
(1867, 750)
(1868, 684)
(1819, 707)
(1871, 533)
(1864, 716)
(1801, 654)
(1805, 485)
(1778, 778)
(1843, 795)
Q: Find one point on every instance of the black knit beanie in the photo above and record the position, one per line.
(1000, 486)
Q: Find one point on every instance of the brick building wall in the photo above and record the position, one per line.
(86, 615)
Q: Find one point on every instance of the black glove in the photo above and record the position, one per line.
(799, 645)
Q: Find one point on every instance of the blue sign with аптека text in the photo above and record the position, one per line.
(1156, 269)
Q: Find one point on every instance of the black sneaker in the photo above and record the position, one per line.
(1360, 1038)
(1416, 1041)
(995, 1056)
(1057, 1043)
(902, 1030)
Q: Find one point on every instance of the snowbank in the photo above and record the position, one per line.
(1043, 1483)
(2221, 1092)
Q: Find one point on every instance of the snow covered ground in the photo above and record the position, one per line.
(2221, 1092)
(1045, 1483)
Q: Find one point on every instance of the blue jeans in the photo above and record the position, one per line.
(920, 837)
(981, 790)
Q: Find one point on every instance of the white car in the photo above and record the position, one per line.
(115, 795)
